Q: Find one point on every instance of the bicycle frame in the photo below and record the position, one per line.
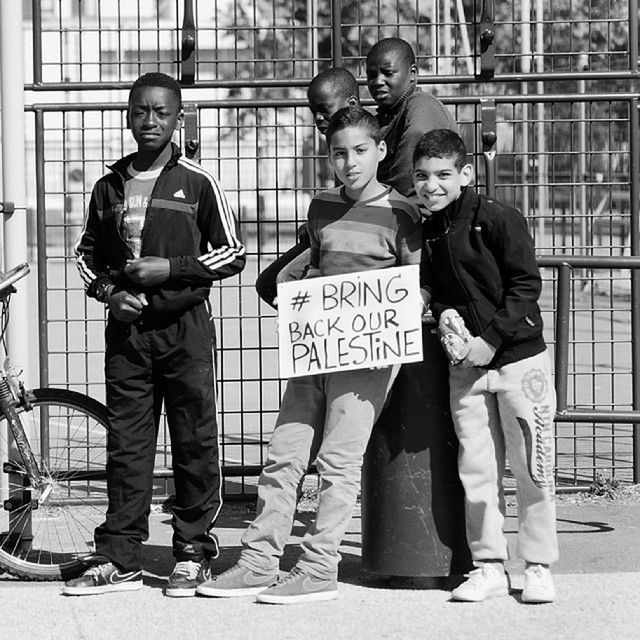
(11, 388)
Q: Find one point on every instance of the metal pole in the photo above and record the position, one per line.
(634, 170)
(13, 190)
(37, 41)
(526, 69)
(312, 23)
(41, 243)
(562, 336)
(336, 32)
(634, 206)
(543, 178)
(446, 38)
(582, 158)
(13, 171)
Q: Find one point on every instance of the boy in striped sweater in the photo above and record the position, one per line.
(158, 233)
(359, 226)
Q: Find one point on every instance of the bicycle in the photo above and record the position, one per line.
(53, 453)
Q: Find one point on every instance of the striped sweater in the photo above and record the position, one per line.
(348, 236)
(188, 221)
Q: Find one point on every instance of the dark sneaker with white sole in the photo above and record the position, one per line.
(235, 582)
(299, 586)
(186, 576)
(103, 578)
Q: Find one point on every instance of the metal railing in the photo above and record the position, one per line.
(565, 266)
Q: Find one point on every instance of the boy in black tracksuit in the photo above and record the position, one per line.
(479, 268)
(159, 231)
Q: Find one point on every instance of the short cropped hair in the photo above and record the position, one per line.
(341, 80)
(386, 45)
(353, 117)
(156, 79)
(441, 143)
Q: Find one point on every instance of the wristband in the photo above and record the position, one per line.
(103, 291)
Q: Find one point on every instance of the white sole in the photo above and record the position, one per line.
(180, 593)
(229, 593)
(109, 588)
(496, 593)
(538, 600)
(322, 596)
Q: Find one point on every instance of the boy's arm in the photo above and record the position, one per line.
(313, 271)
(424, 113)
(410, 238)
(223, 253)
(514, 251)
(291, 265)
(91, 261)
(90, 255)
(427, 284)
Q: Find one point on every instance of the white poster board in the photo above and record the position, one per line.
(352, 321)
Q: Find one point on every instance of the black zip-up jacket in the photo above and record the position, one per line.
(188, 221)
(479, 259)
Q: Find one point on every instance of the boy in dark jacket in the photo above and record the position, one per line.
(479, 269)
(329, 91)
(158, 233)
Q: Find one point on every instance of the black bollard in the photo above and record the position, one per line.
(413, 521)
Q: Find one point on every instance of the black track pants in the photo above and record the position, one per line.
(145, 366)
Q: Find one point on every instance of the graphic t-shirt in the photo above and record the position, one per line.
(137, 194)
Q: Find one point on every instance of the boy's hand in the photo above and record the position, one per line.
(480, 353)
(148, 271)
(127, 306)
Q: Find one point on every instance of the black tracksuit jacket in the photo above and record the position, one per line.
(188, 221)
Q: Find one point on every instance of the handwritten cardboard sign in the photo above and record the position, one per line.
(351, 321)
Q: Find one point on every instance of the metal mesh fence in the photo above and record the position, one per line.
(563, 95)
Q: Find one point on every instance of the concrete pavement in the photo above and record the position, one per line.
(597, 579)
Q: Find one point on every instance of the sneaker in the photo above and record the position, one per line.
(489, 580)
(300, 586)
(538, 584)
(103, 578)
(237, 581)
(186, 576)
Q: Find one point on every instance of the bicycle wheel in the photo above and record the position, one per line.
(47, 532)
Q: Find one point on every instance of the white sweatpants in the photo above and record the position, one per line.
(507, 410)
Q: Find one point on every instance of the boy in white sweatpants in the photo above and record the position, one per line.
(479, 268)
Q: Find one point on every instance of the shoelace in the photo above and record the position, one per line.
(97, 570)
(536, 571)
(479, 572)
(187, 568)
(476, 573)
(291, 576)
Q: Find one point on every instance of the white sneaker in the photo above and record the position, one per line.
(538, 584)
(489, 580)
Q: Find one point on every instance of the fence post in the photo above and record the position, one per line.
(489, 139)
(634, 213)
(13, 166)
(41, 250)
(336, 33)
